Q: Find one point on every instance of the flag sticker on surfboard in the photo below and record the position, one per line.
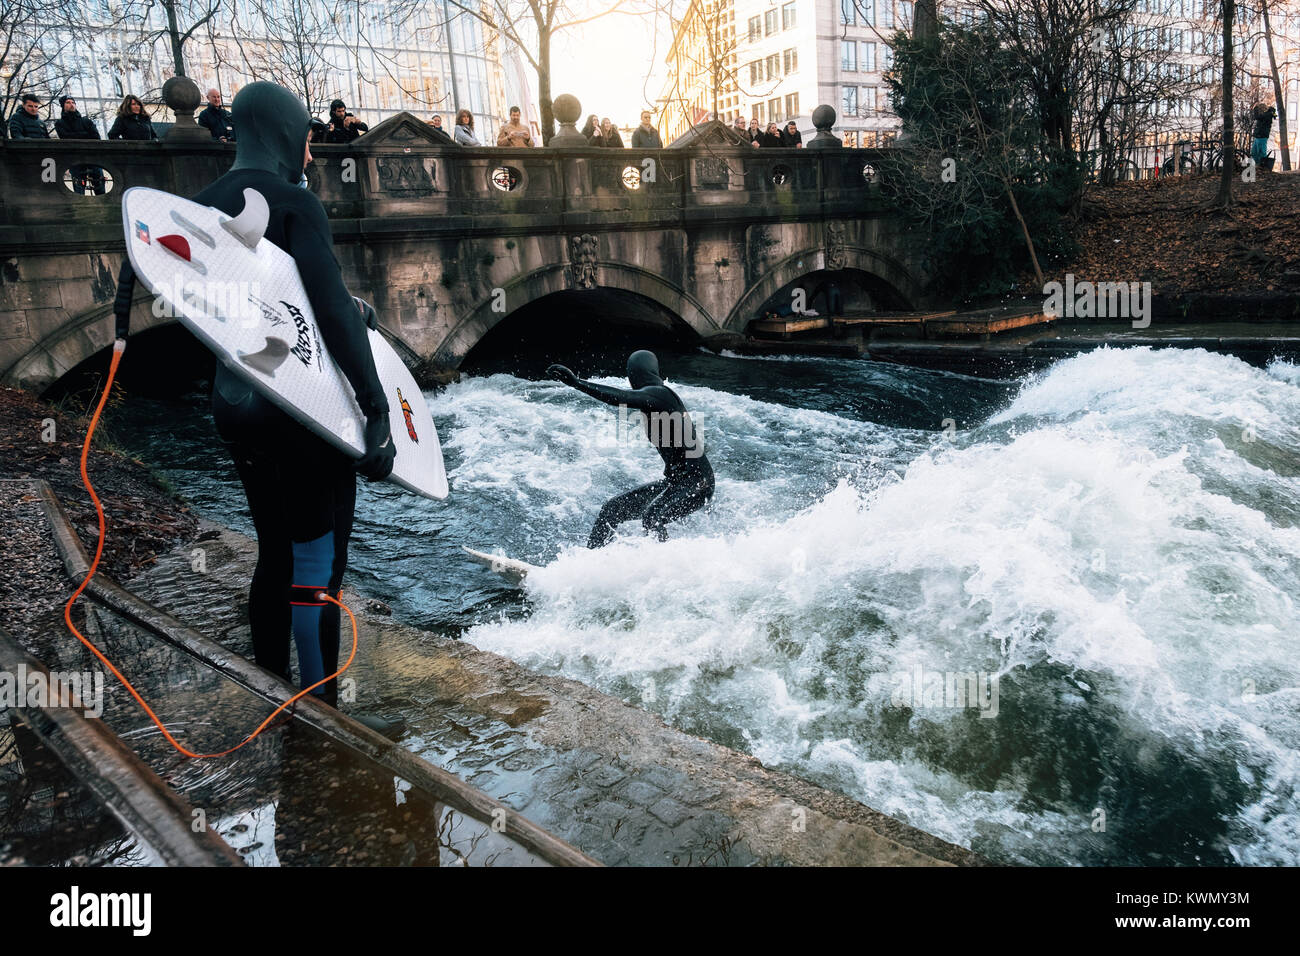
(246, 302)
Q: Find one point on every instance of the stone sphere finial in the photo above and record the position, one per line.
(566, 108)
(823, 118)
(181, 94)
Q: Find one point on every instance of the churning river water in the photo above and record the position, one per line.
(1052, 620)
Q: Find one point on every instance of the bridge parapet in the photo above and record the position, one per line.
(398, 171)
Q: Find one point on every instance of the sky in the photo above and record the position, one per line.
(604, 63)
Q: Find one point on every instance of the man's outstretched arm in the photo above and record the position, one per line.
(630, 397)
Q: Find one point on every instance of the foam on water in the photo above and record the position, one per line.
(1118, 546)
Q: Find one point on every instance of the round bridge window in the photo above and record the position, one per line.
(869, 174)
(84, 180)
(631, 177)
(506, 178)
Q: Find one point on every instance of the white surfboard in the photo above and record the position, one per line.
(512, 569)
(242, 296)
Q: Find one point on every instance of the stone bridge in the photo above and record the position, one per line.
(447, 242)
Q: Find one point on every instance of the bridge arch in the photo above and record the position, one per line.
(75, 341)
(532, 286)
(884, 268)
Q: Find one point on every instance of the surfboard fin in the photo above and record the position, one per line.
(250, 225)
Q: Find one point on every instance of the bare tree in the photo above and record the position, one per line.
(292, 51)
(1278, 101)
(1229, 169)
(34, 36)
(176, 21)
(531, 25)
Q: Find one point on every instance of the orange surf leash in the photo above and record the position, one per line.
(119, 346)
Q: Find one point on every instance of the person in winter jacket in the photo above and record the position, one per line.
(132, 121)
(646, 136)
(26, 122)
(343, 126)
(217, 120)
(754, 133)
(1263, 115)
(71, 124)
(790, 136)
(607, 136)
(591, 127)
(465, 129)
(770, 137)
(439, 134)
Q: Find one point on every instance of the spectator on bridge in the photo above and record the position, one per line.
(754, 133)
(591, 128)
(343, 126)
(790, 136)
(26, 122)
(316, 132)
(71, 124)
(738, 126)
(217, 120)
(646, 136)
(607, 136)
(439, 134)
(465, 129)
(514, 133)
(1263, 113)
(132, 121)
(87, 179)
(770, 137)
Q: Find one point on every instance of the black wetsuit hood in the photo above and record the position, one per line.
(271, 127)
(643, 369)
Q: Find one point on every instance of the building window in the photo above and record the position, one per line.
(848, 13)
(888, 57)
(791, 61)
(849, 55)
(867, 13)
(758, 112)
(868, 57)
(849, 101)
(756, 72)
(792, 105)
(787, 17)
(770, 22)
(773, 66)
(755, 29)
(850, 138)
(870, 102)
(886, 14)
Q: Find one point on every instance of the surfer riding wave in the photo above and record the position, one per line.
(687, 484)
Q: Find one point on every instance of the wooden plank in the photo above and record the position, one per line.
(138, 798)
(787, 326)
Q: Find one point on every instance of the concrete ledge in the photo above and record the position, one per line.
(445, 786)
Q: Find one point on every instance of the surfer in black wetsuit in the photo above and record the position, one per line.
(301, 490)
(687, 484)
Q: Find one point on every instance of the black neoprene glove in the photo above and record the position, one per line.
(377, 463)
(562, 373)
(367, 312)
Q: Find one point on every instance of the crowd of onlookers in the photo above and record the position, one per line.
(133, 122)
